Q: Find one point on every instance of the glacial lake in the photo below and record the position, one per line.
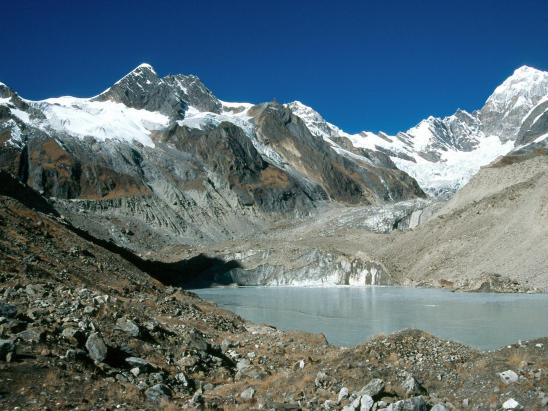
(350, 315)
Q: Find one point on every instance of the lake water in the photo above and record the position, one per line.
(349, 315)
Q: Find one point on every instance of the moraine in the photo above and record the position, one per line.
(349, 315)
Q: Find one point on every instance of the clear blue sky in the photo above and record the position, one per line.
(375, 65)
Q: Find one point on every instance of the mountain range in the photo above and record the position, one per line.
(155, 161)
(443, 153)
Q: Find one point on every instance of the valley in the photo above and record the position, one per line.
(113, 207)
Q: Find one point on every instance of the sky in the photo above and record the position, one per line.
(364, 65)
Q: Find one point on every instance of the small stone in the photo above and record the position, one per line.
(374, 388)
(197, 342)
(135, 371)
(197, 398)
(128, 326)
(89, 310)
(151, 325)
(321, 379)
(158, 392)
(225, 345)
(77, 354)
(465, 403)
(366, 403)
(31, 335)
(156, 377)
(411, 404)
(511, 404)
(73, 335)
(136, 362)
(243, 364)
(100, 299)
(96, 347)
(8, 310)
(412, 386)
(6, 347)
(181, 379)
(247, 394)
(439, 407)
(329, 404)
(343, 394)
(508, 377)
(188, 361)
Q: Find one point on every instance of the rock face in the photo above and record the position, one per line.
(534, 125)
(302, 267)
(96, 347)
(161, 160)
(171, 95)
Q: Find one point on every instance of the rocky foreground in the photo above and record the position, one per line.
(83, 328)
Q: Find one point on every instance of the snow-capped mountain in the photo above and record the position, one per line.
(443, 153)
(164, 158)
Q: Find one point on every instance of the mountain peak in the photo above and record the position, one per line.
(526, 70)
(143, 67)
(143, 71)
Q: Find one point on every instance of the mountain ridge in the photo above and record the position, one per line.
(433, 150)
(164, 157)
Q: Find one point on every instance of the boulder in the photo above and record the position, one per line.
(6, 347)
(75, 354)
(32, 335)
(374, 388)
(158, 392)
(508, 377)
(343, 394)
(247, 394)
(413, 387)
(411, 404)
(8, 310)
(511, 404)
(439, 407)
(366, 403)
(74, 335)
(243, 364)
(128, 326)
(196, 341)
(142, 365)
(96, 347)
(182, 379)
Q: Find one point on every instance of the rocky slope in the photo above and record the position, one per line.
(165, 160)
(82, 327)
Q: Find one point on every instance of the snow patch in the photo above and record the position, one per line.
(235, 105)
(102, 120)
(21, 115)
(541, 138)
(15, 138)
(455, 168)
